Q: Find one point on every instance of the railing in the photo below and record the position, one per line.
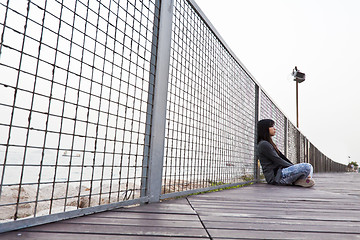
(105, 104)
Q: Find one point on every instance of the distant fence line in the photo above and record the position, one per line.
(112, 103)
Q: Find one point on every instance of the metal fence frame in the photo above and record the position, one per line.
(290, 140)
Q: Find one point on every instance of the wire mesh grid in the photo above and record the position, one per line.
(268, 110)
(302, 148)
(74, 96)
(210, 111)
(292, 143)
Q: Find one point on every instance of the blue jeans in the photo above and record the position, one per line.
(290, 174)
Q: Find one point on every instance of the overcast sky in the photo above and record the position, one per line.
(321, 38)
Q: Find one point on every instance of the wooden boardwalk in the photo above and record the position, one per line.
(330, 210)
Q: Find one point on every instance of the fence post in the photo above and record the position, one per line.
(298, 146)
(286, 131)
(257, 114)
(307, 150)
(157, 134)
(150, 100)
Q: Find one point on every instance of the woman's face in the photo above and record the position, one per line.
(272, 131)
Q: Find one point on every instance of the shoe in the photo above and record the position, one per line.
(308, 182)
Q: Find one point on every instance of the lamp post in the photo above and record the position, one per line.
(299, 77)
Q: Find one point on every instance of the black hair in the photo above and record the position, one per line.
(263, 131)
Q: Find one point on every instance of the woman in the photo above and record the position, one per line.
(276, 167)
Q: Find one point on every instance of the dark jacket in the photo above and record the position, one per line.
(271, 162)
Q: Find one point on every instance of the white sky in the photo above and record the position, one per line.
(321, 38)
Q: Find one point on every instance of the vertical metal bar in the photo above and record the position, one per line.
(157, 138)
(297, 104)
(286, 136)
(7, 145)
(73, 139)
(29, 116)
(86, 128)
(104, 164)
(307, 150)
(48, 109)
(113, 174)
(92, 96)
(123, 71)
(63, 124)
(4, 24)
(130, 180)
(313, 157)
(257, 114)
(298, 160)
(149, 109)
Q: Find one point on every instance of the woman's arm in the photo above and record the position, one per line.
(284, 157)
(268, 151)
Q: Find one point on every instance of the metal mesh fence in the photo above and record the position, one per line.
(321, 163)
(75, 89)
(78, 96)
(292, 143)
(210, 111)
(268, 110)
(302, 148)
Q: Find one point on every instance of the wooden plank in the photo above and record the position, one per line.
(249, 234)
(275, 194)
(229, 221)
(139, 230)
(141, 215)
(159, 208)
(315, 204)
(333, 208)
(233, 218)
(195, 223)
(281, 215)
(299, 226)
(71, 236)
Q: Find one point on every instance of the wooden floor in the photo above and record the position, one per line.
(330, 210)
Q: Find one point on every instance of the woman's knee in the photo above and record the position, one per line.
(308, 168)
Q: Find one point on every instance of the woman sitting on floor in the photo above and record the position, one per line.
(278, 170)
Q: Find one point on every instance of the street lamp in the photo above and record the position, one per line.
(299, 77)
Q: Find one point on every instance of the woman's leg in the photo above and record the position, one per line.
(295, 172)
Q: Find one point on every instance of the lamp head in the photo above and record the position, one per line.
(298, 76)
